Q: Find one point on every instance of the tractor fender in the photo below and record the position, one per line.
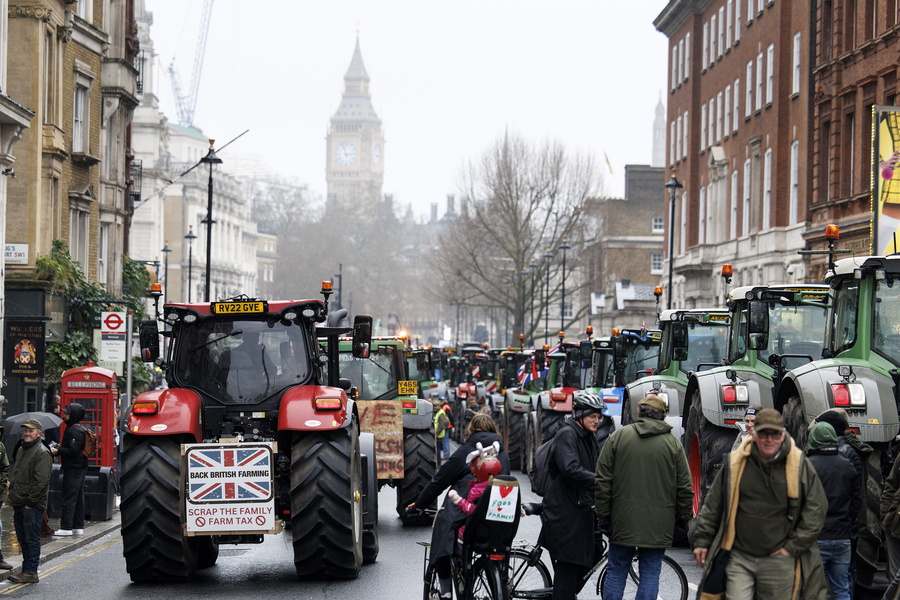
(298, 410)
(178, 413)
(424, 419)
(517, 400)
(707, 384)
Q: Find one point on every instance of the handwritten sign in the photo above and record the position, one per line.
(503, 502)
(384, 418)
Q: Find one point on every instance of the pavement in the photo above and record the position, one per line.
(51, 546)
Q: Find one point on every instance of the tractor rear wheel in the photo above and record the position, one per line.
(155, 547)
(707, 448)
(419, 466)
(550, 422)
(326, 503)
(515, 445)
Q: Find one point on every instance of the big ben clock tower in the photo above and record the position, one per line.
(355, 148)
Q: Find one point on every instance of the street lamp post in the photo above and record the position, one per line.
(166, 251)
(533, 266)
(562, 307)
(548, 256)
(673, 186)
(190, 237)
(210, 159)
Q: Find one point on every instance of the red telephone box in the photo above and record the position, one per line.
(95, 389)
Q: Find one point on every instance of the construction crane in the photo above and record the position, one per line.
(185, 104)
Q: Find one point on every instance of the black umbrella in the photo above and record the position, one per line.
(47, 420)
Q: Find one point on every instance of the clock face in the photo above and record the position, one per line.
(346, 154)
(376, 155)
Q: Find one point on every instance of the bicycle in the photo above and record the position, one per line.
(480, 565)
(530, 579)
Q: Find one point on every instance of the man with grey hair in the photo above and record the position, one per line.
(643, 485)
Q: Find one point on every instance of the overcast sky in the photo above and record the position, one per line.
(447, 78)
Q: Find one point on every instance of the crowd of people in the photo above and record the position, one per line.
(779, 521)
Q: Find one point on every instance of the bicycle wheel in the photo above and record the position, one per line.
(526, 580)
(486, 581)
(673, 583)
(432, 588)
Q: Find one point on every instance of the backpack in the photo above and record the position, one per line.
(90, 443)
(542, 473)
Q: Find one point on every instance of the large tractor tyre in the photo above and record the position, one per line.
(627, 418)
(707, 447)
(550, 422)
(420, 460)
(155, 546)
(868, 543)
(326, 503)
(370, 544)
(515, 441)
(207, 551)
(604, 430)
(370, 512)
(528, 443)
(795, 422)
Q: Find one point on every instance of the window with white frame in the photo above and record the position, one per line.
(760, 5)
(732, 225)
(749, 11)
(737, 103)
(674, 65)
(729, 27)
(678, 137)
(712, 122)
(710, 202)
(795, 182)
(712, 38)
(737, 21)
(759, 81)
(658, 225)
(745, 214)
(795, 64)
(79, 119)
(701, 234)
(85, 10)
(719, 129)
(748, 101)
(79, 231)
(721, 31)
(682, 236)
(681, 60)
(672, 157)
(727, 109)
(705, 45)
(103, 253)
(703, 126)
(770, 72)
(656, 262)
(767, 190)
(684, 147)
(687, 55)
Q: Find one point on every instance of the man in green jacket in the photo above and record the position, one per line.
(642, 485)
(29, 487)
(755, 536)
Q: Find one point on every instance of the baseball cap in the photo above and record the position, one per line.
(769, 418)
(33, 424)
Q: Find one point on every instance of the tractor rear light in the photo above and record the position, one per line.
(496, 556)
(328, 403)
(557, 396)
(431, 385)
(145, 407)
(733, 421)
(614, 399)
(735, 394)
(852, 430)
(409, 403)
(463, 395)
(848, 394)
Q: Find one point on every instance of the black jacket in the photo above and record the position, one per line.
(841, 483)
(568, 508)
(455, 474)
(73, 440)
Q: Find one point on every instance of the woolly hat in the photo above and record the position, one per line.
(836, 417)
(654, 402)
(820, 436)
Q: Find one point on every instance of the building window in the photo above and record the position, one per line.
(712, 39)
(705, 45)
(759, 81)
(770, 72)
(727, 109)
(849, 158)
(748, 101)
(737, 21)
(795, 182)
(719, 129)
(674, 65)
(721, 31)
(672, 157)
(659, 225)
(85, 10)
(681, 61)
(712, 122)
(687, 56)
(656, 262)
(795, 71)
(684, 147)
(732, 226)
(745, 216)
(701, 234)
(79, 119)
(749, 11)
(729, 27)
(703, 126)
(767, 190)
(678, 138)
(737, 104)
(79, 228)
(710, 203)
(682, 237)
(103, 253)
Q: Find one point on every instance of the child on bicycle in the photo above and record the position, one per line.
(484, 464)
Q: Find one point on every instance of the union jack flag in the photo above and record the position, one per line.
(240, 474)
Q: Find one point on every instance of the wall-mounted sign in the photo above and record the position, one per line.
(15, 254)
(24, 348)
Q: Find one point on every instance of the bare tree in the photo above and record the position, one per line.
(519, 201)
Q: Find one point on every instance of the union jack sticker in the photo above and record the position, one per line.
(229, 474)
